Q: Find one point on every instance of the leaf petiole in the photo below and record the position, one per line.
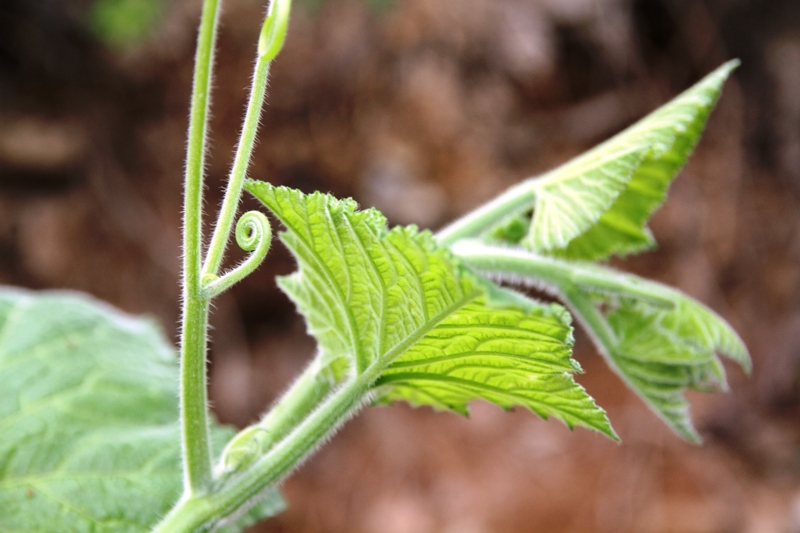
(301, 399)
(205, 512)
(514, 200)
(556, 274)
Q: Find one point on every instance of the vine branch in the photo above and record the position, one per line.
(194, 415)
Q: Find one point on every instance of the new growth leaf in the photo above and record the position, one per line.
(660, 341)
(598, 204)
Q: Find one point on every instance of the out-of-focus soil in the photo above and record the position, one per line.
(424, 111)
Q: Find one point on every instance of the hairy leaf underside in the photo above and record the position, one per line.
(662, 344)
(598, 204)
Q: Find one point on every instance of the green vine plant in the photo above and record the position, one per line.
(93, 439)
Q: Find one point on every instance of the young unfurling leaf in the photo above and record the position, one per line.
(661, 351)
(598, 204)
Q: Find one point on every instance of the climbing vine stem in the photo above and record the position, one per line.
(194, 416)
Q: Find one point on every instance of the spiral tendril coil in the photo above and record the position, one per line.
(254, 235)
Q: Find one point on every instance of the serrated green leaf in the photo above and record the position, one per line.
(599, 203)
(88, 415)
(660, 351)
(375, 297)
(499, 354)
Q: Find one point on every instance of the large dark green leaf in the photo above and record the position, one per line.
(88, 417)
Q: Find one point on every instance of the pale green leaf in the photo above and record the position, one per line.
(660, 350)
(599, 203)
(571, 199)
(375, 298)
(88, 415)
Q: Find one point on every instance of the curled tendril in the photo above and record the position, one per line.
(254, 235)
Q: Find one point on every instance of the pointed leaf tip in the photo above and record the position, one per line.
(598, 204)
(671, 132)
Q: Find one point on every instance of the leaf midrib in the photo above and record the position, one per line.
(384, 360)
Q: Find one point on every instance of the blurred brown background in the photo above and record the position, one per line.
(425, 108)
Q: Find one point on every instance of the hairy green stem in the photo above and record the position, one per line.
(516, 199)
(244, 151)
(194, 416)
(203, 513)
(200, 281)
(506, 261)
(302, 398)
(194, 413)
(555, 273)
